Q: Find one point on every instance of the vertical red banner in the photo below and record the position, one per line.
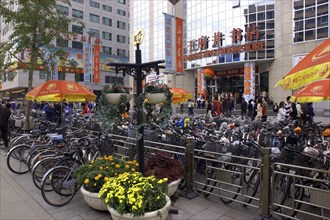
(178, 46)
(97, 63)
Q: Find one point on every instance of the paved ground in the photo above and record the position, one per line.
(20, 199)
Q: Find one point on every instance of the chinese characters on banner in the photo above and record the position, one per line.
(179, 42)
(249, 83)
(97, 63)
(201, 84)
(168, 42)
(87, 69)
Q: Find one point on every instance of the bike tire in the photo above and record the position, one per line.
(41, 168)
(17, 159)
(58, 187)
(209, 180)
(287, 198)
(231, 186)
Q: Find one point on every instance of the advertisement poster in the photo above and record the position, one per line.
(168, 43)
(97, 57)
(249, 83)
(179, 42)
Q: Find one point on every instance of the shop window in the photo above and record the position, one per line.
(62, 43)
(77, 45)
(61, 76)
(112, 79)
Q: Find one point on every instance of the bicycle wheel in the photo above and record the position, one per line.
(208, 180)
(231, 180)
(17, 159)
(41, 168)
(58, 187)
(279, 185)
(291, 197)
(251, 180)
(40, 156)
(33, 155)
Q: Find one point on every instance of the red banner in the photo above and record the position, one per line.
(178, 46)
(97, 63)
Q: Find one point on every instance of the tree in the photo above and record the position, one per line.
(36, 23)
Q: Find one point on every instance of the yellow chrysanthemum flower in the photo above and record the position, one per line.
(86, 181)
(117, 166)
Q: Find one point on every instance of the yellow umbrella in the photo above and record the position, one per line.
(313, 92)
(180, 95)
(313, 67)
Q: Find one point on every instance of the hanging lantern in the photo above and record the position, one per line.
(209, 73)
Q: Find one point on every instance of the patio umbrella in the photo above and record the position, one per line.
(314, 66)
(58, 90)
(180, 95)
(314, 92)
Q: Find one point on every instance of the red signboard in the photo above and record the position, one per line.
(97, 63)
(179, 42)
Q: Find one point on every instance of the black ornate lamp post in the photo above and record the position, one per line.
(138, 71)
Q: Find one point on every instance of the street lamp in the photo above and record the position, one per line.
(138, 71)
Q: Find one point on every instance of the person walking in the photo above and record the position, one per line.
(216, 106)
(190, 107)
(264, 109)
(244, 107)
(67, 114)
(209, 108)
(259, 111)
(5, 113)
(281, 115)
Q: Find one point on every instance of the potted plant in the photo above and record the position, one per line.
(93, 175)
(156, 93)
(162, 165)
(117, 93)
(131, 195)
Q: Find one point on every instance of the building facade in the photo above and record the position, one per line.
(107, 21)
(264, 37)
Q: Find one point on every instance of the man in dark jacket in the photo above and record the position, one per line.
(5, 113)
(244, 107)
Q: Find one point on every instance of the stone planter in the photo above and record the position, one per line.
(172, 187)
(92, 200)
(114, 98)
(160, 214)
(156, 98)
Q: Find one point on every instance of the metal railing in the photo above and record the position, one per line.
(274, 188)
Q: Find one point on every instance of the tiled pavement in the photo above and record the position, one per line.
(20, 199)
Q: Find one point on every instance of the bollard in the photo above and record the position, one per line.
(266, 189)
(189, 192)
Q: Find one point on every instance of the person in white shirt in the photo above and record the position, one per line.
(281, 115)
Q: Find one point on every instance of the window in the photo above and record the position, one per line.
(42, 74)
(77, 29)
(77, 45)
(121, 1)
(112, 79)
(94, 18)
(77, 13)
(62, 43)
(94, 4)
(106, 50)
(121, 39)
(107, 21)
(121, 25)
(310, 18)
(79, 1)
(121, 52)
(94, 33)
(107, 8)
(106, 35)
(62, 9)
(121, 12)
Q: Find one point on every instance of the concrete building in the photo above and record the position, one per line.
(106, 20)
(266, 37)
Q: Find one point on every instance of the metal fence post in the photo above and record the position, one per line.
(189, 192)
(266, 183)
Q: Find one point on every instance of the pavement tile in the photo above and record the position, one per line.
(207, 215)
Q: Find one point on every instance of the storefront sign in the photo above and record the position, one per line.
(201, 83)
(168, 42)
(179, 42)
(97, 63)
(199, 48)
(249, 83)
(138, 37)
(87, 69)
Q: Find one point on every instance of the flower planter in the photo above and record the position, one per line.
(160, 214)
(92, 200)
(156, 98)
(172, 187)
(114, 98)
